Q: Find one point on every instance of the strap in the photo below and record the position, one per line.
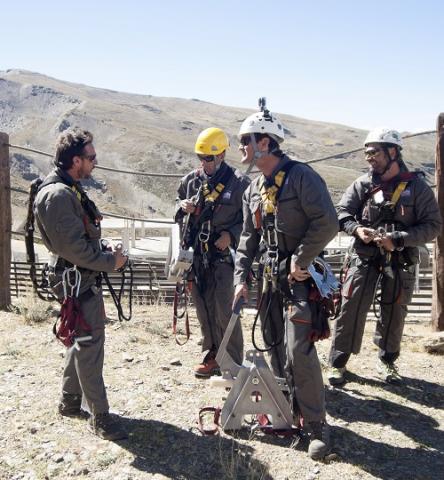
(59, 176)
(216, 416)
(181, 297)
(397, 193)
(210, 198)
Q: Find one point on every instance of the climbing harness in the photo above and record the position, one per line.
(270, 191)
(94, 216)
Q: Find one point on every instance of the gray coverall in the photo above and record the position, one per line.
(416, 216)
(67, 231)
(305, 222)
(212, 286)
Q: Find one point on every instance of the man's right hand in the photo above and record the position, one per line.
(241, 290)
(187, 206)
(365, 234)
(121, 259)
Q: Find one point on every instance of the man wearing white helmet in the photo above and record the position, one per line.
(288, 210)
(390, 212)
(212, 196)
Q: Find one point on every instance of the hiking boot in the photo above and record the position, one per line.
(70, 406)
(336, 376)
(389, 372)
(207, 368)
(319, 437)
(105, 426)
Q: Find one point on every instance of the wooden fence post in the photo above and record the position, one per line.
(438, 252)
(5, 223)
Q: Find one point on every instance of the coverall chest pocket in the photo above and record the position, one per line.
(92, 230)
(405, 211)
(256, 212)
(288, 213)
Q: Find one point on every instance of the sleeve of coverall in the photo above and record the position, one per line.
(181, 195)
(348, 209)
(429, 221)
(235, 228)
(68, 237)
(321, 214)
(248, 244)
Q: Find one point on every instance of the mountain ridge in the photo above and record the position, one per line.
(157, 134)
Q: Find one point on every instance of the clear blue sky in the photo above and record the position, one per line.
(361, 63)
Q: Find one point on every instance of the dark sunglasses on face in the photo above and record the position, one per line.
(244, 141)
(372, 152)
(91, 158)
(206, 158)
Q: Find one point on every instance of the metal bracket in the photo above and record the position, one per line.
(254, 388)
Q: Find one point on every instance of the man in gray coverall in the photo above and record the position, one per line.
(70, 228)
(389, 212)
(289, 209)
(211, 198)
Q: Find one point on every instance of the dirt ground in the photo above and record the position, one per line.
(379, 431)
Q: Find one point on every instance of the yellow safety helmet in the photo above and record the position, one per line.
(212, 141)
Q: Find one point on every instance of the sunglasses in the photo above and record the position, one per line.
(91, 158)
(207, 158)
(244, 141)
(372, 152)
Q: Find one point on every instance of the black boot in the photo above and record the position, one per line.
(69, 406)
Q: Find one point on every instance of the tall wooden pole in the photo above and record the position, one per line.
(5, 223)
(438, 255)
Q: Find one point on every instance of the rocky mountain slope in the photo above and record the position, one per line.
(156, 134)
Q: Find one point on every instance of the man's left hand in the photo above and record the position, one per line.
(297, 273)
(385, 243)
(223, 241)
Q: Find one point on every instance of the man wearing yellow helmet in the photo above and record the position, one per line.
(211, 197)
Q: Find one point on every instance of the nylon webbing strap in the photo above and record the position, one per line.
(397, 193)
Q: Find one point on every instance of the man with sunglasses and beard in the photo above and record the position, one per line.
(390, 212)
(209, 209)
(69, 223)
(288, 220)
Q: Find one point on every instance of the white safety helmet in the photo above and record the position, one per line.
(384, 135)
(263, 122)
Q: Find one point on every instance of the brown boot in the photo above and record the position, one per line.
(105, 426)
(319, 437)
(208, 366)
(69, 406)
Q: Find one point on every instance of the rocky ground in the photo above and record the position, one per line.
(379, 431)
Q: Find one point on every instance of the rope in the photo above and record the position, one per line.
(348, 152)
(109, 214)
(178, 175)
(131, 172)
(143, 174)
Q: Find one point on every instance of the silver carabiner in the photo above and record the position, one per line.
(72, 283)
(204, 234)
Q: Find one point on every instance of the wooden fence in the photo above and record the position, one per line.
(151, 286)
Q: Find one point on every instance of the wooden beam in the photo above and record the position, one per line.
(5, 223)
(438, 254)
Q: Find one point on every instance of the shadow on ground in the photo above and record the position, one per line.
(383, 460)
(163, 448)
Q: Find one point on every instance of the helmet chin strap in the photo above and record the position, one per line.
(257, 154)
(389, 163)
